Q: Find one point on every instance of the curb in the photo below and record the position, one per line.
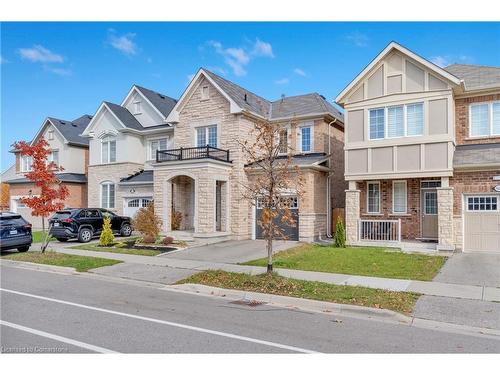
(294, 302)
(39, 266)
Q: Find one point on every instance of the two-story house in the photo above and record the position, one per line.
(422, 153)
(185, 156)
(69, 150)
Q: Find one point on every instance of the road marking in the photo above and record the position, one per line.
(165, 322)
(66, 340)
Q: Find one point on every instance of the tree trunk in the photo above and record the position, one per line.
(45, 241)
(270, 249)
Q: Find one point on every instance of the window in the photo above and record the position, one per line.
(283, 142)
(395, 122)
(157, 144)
(482, 203)
(430, 184)
(373, 197)
(133, 203)
(108, 150)
(107, 195)
(399, 197)
(206, 135)
(50, 135)
(484, 119)
(54, 157)
(414, 119)
(26, 163)
(430, 204)
(205, 93)
(137, 108)
(377, 123)
(402, 121)
(305, 139)
(20, 204)
(146, 202)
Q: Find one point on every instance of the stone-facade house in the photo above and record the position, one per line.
(422, 154)
(69, 150)
(184, 155)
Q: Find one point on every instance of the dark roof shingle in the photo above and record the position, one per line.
(163, 103)
(71, 130)
(124, 115)
(476, 76)
(141, 176)
(78, 178)
(301, 105)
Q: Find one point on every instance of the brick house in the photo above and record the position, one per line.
(69, 150)
(422, 154)
(184, 155)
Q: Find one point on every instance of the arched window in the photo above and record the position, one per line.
(107, 194)
(133, 203)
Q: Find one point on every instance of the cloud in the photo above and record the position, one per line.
(3, 60)
(41, 54)
(237, 58)
(190, 77)
(445, 60)
(261, 48)
(440, 61)
(59, 71)
(358, 39)
(282, 81)
(299, 72)
(123, 43)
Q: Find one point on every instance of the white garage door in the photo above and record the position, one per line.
(132, 205)
(482, 223)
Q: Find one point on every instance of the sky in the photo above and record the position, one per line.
(65, 70)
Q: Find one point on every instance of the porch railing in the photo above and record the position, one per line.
(380, 230)
(192, 153)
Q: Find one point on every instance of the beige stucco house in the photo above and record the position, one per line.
(184, 155)
(422, 154)
(69, 150)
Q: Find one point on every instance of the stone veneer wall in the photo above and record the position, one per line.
(352, 211)
(109, 172)
(446, 240)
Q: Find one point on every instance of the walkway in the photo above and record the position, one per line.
(432, 288)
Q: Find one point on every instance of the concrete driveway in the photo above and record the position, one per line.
(230, 251)
(471, 269)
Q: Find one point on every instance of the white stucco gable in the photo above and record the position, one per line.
(104, 121)
(200, 75)
(142, 108)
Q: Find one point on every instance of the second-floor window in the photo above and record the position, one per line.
(283, 141)
(485, 119)
(305, 138)
(54, 157)
(26, 163)
(156, 145)
(397, 121)
(206, 136)
(108, 150)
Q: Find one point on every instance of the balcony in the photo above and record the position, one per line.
(193, 153)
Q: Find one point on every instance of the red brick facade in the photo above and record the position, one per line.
(471, 182)
(462, 120)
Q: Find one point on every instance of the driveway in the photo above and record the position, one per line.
(471, 269)
(230, 251)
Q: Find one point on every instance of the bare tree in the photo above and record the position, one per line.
(271, 177)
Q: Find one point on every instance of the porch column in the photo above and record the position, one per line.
(352, 213)
(445, 217)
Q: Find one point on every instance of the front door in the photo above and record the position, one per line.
(429, 213)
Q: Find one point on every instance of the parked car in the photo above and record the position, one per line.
(15, 232)
(86, 223)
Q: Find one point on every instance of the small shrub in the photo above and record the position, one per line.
(148, 239)
(339, 234)
(107, 238)
(167, 241)
(176, 219)
(147, 222)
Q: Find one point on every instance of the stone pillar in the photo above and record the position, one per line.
(351, 215)
(445, 218)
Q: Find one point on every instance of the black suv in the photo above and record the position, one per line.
(85, 223)
(15, 232)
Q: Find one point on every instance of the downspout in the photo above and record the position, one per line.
(328, 192)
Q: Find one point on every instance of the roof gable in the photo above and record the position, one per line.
(341, 98)
(122, 116)
(70, 131)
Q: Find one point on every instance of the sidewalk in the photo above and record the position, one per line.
(431, 288)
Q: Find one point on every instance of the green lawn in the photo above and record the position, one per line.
(39, 236)
(80, 263)
(397, 301)
(365, 261)
(95, 247)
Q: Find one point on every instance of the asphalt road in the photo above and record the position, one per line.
(55, 313)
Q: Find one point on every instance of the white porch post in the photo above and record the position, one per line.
(352, 215)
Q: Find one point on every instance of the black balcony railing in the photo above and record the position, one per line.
(193, 153)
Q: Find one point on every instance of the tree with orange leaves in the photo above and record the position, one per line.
(51, 193)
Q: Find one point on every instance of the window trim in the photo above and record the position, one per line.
(30, 164)
(150, 155)
(406, 197)
(51, 157)
(137, 107)
(287, 130)
(405, 121)
(467, 197)
(310, 125)
(490, 104)
(50, 135)
(107, 183)
(108, 139)
(368, 183)
(206, 127)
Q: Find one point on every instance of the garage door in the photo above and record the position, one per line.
(291, 232)
(132, 205)
(482, 223)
